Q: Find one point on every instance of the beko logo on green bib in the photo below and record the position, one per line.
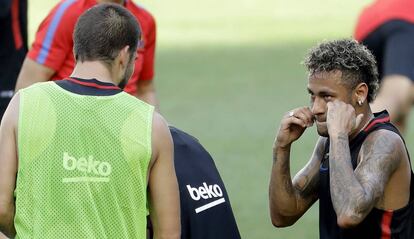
(86, 165)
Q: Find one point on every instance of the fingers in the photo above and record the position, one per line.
(342, 117)
(329, 105)
(358, 120)
(301, 116)
(338, 104)
(297, 121)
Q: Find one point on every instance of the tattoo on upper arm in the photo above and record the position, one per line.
(378, 160)
(356, 192)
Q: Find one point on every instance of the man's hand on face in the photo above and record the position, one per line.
(293, 125)
(341, 118)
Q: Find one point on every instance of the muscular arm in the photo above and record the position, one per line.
(8, 167)
(163, 186)
(289, 200)
(32, 72)
(146, 92)
(355, 193)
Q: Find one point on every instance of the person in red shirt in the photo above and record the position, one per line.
(386, 27)
(51, 56)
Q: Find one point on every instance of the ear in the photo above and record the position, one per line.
(124, 56)
(360, 94)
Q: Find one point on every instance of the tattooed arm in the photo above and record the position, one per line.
(355, 193)
(289, 200)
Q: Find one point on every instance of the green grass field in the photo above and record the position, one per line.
(226, 72)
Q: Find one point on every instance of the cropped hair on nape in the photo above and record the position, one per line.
(102, 31)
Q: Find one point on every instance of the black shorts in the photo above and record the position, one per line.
(393, 46)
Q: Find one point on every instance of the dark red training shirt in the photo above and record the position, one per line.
(380, 12)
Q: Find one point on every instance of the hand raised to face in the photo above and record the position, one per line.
(341, 118)
(293, 125)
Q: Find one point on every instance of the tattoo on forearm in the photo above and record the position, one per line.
(290, 197)
(284, 173)
(342, 179)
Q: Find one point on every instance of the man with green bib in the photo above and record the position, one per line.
(78, 155)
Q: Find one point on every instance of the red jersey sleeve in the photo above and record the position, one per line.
(147, 72)
(53, 40)
(380, 12)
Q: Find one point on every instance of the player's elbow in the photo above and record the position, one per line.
(176, 234)
(171, 231)
(4, 215)
(279, 220)
(6, 221)
(349, 220)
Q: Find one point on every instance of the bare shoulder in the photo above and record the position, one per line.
(383, 144)
(161, 136)
(160, 130)
(384, 170)
(381, 154)
(158, 122)
(384, 135)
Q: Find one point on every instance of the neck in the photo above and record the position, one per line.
(368, 115)
(93, 69)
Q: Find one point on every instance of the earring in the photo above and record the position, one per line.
(360, 102)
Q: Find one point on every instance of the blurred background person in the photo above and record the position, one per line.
(13, 46)
(386, 27)
(51, 56)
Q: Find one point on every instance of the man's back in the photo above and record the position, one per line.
(83, 163)
(205, 206)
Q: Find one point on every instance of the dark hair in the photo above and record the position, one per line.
(354, 60)
(102, 31)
